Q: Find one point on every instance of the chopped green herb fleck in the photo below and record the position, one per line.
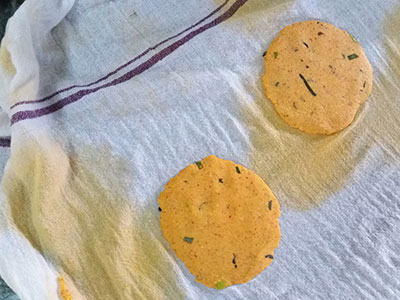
(220, 180)
(352, 56)
(353, 38)
(220, 285)
(270, 205)
(269, 256)
(199, 164)
(234, 260)
(277, 83)
(307, 85)
(275, 54)
(188, 239)
(201, 205)
(238, 170)
(159, 209)
(264, 53)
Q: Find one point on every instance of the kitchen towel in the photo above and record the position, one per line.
(102, 102)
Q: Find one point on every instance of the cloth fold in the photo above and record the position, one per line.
(104, 101)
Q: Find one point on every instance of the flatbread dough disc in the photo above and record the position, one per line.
(221, 220)
(316, 76)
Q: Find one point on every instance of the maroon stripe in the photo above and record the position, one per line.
(5, 141)
(123, 66)
(30, 114)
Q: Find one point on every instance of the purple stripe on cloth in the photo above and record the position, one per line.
(5, 141)
(124, 65)
(30, 114)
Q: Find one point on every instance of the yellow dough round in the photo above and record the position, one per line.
(221, 220)
(316, 76)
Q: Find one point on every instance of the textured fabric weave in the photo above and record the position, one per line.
(104, 101)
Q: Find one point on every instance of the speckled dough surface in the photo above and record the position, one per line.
(316, 76)
(221, 220)
(65, 294)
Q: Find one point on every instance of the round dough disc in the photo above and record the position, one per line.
(221, 220)
(316, 76)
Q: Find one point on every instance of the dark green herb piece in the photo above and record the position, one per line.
(275, 54)
(352, 56)
(188, 239)
(220, 285)
(201, 205)
(234, 260)
(269, 256)
(265, 53)
(305, 44)
(199, 164)
(238, 170)
(220, 180)
(353, 38)
(307, 85)
(277, 83)
(159, 209)
(270, 205)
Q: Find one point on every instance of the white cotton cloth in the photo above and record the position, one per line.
(148, 87)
